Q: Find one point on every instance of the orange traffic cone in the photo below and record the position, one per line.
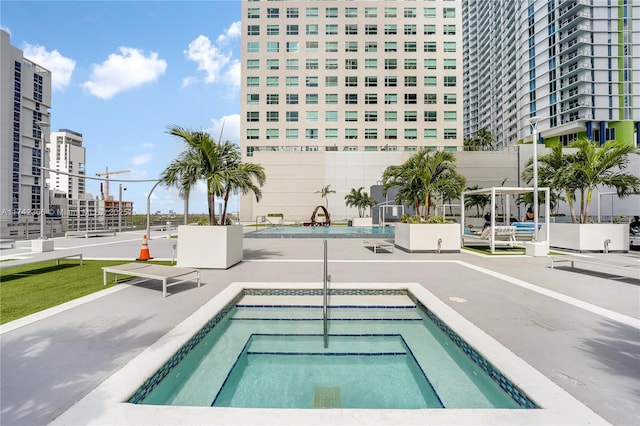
(144, 251)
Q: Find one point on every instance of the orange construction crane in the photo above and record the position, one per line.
(106, 174)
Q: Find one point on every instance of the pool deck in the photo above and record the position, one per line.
(582, 331)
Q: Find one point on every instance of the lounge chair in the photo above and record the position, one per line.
(503, 235)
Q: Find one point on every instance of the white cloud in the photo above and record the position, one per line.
(231, 129)
(232, 76)
(148, 145)
(123, 71)
(214, 58)
(141, 159)
(234, 31)
(188, 81)
(61, 67)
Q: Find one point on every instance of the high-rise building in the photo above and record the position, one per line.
(357, 83)
(574, 64)
(66, 154)
(24, 115)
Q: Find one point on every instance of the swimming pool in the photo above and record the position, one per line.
(385, 351)
(323, 232)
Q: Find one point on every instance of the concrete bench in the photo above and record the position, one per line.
(375, 245)
(43, 257)
(90, 233)
(609, 267)
(7, 244)
(169, 275)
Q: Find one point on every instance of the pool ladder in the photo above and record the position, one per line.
(325, 296)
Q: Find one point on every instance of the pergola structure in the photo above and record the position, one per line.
(507, 192)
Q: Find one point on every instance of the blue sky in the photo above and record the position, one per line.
(125, 70)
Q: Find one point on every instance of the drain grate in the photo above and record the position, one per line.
(326, 397)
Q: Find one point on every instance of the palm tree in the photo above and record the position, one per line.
(324, 192)
(479, 201)
(360, 200)
(217, 163)
(421, 177)
(482, 140)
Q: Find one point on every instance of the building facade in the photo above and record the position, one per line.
(351, 83)
(24, 115)
(66, 154)
(574, 64)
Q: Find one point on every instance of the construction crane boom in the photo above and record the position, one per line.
(106, 174)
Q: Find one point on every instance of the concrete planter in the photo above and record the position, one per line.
(589, 236)
(362, 221)
(41, 246)
(209, 247)
(428, 237)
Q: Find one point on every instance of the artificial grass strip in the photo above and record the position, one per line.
(498, 251)
(28, 289)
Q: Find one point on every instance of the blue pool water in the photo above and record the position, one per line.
(323, 232)
(270, 354)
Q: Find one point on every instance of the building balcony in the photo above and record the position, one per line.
(565, 8)
(574, 20)
(575, 55)
(575, 68)
(574, 44)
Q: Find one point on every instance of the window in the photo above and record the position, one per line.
(292, 30)
(311, 116)
(370, 116)
(351, 134)
(351, 12)
(410, 12)
(450, 81)
(449, 29)
(331, 64)
(351, 116)
(450, 116)
(351, 64)
(351, 98)
(273, 12)
(391, 133)
(350, 148)
(430, 134)
(253, 64)
(409, 29)
(430, 99)
(312, 46)
(411, 133)
(253, 99)
(253, 13)
(449, 12)
(312, 29)
(331, 29)
(311, 133)
(371, 64)
(391, 116)
(390, 29)
(391, 81)
(292, 116)
(312, 12)
(253, 133)
(273, 116)
(390, 98)
(410, 116)
(370, 134)
(430, 81)
(410, 64)
(371, 98)
(371, 29)
(273, 64)
(292, 99)
(351, 81)
(430, 64)
(311, 64)
(429, 12)
(449, 46)
(253, 116)
(253, 47)
(351, 46)
(430, 116)
(273, 134)
(311, 98)
(351, 29)
(331, 98)
(273, 99)
(273, 47)
(450, 98)
(390, 64)
(390, 46)
(450, 133)
(390, 12)
(292, 81)
(291, 133)
(450, 64)
(371, 81)
(410, 81)
(292, 64)
(410, 98)
(410, 46)
(429, 29)
(253, 30)
(273, 81)
(292, 12)
(331, 12)
(331, 133)
(293, 47)
(253, 81)
(370, 12)
(370, 46)
(331, 46)
(430, 46)
(331, 116)
(331, 81)
(273, 29)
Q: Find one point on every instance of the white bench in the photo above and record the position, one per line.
(169, 275)
(90, 233)
(387, 245)
(7, 243)
(43, 257)
(616, 268)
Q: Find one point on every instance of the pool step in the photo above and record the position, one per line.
(326, 397)
(334, 300)
(335, 313)
(313, 344)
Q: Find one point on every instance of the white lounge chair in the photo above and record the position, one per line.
(503, 235)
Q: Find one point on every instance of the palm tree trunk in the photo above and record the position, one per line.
(570, 202)
(212, 208)
(223, 219)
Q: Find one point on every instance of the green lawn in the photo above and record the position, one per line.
(27, 289)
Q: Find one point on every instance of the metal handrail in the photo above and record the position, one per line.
(325, 297)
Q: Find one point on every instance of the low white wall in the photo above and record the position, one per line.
(425, 237)
(589, 236)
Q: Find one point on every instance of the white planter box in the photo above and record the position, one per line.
(40, 246)
(428, 237)
(589, 236)
(213, 247)
(362, 221)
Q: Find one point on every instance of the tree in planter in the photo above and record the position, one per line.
(422, 176)
(324, 193)
(360, 200)
(218, 164)
(592, 165)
